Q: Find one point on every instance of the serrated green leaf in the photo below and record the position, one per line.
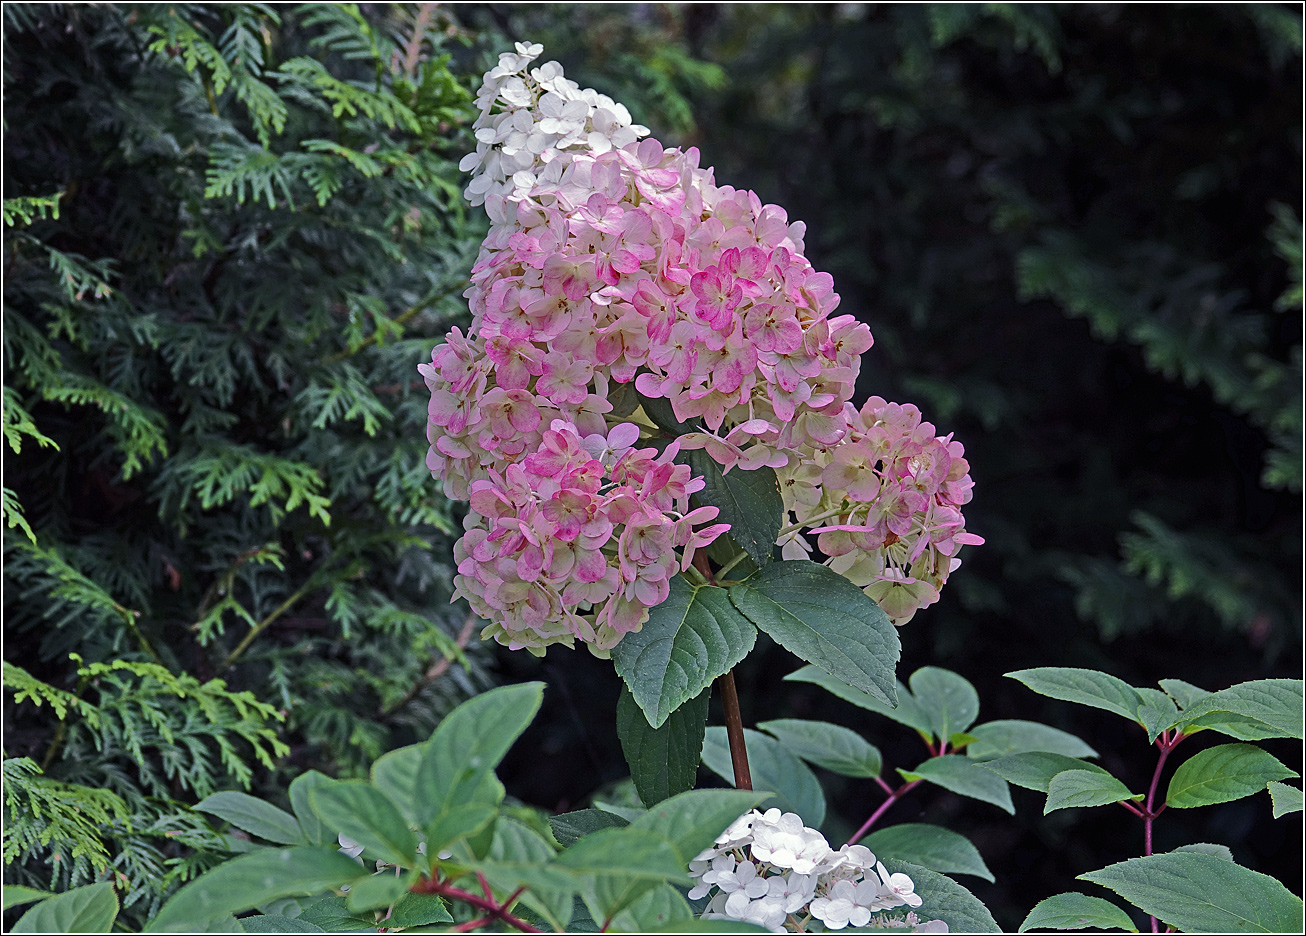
(1077, 789)
(663, 761)
(948, 700)
(1084, 686)
(944, 899)
(1223, 773)
(907, 712)
(253, 880)
(308, 820)
(254, 816)
(1286, 799)
(461, 820)
(965, 778)
(1077, 911)
(569, 827)
(1034, 770)
(656, 909)
(822, 618)
(332, 915)
(358, 810)
(1201, 893)
(1012, 736)
(692, 820)
(1207, 848)
(795, 788)
(376, 891)
(688, 641)
(833, 747)
(629, 852)
(277, 923)
(929, 846)
(395, 775)
(514, 843)
(1183, 693)
(1157, 713)
(89, 909)
(15, 895)
(419, 910)
(1272, 705)
(748, 500)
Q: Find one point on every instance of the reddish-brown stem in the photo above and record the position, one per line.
(884, 786)
(484, 904)
(1132, 808)
(894, 796)
(1166, 743)
(735, 732)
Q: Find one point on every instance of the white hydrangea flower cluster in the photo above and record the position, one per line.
(541, 117)
(771, 870)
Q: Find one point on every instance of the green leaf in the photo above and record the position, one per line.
(468, 745)
(656, 909)
(515, 843)
(1013, 736)
(1157, 713)
(929, 846)
(419, 910)
(833, 747)
(1077, 911)
(254, 816)
(795, 787)
(1085, 686)
(1223, 773)
(395, 775)
(950, 701)
(1183, 693)
(254, 879)
(331, 915)
(822, 618)
(663, 761)
(276, 923)
(1207, 848)
(1286, 799)
(15, 895)
(1273, 705)
(944, 899)
(1203, 893)
(691, 821)
(907, 712)
(309, 823)
(461, 820)
(629, 852)
(359, 811)
(965, 778)
(688, 641)
(1073, 789)
(748, 500)
(1034, 770)
(89, 909)
(379, 890)
(660, 412)
(569, 827)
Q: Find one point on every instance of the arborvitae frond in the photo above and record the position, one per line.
(217, 474)
(347, 99)
(25, 687)
(25, 209)
(40, 812)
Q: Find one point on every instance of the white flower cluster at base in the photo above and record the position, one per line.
(771, 870)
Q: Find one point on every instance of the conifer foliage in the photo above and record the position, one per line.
(230, 230)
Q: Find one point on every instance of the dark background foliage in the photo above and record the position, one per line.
(1074, 231)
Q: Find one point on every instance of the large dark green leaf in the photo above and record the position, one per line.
(949, 700)
(363, 813)
(1284, 799)
(1013, 736)
(1273, 707)
(944, 899)
(89, 909)
(309, 823)
(254, 816)
(1085, 686)
(663, 761)
(569, 827)
(1077, 789)
(824, 619)
(833, 747)
(691, 821)
(930, 846)
(1223, 773)
(748, 500)
(906, 712)
(253, 880)
(1077, 911)
(515, 842)
(793, 784)
(1034, 770)
(1202, 893)
(965, 778)
(688, 641)
(395, 775)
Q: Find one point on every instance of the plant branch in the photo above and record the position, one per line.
(785, 531)
(735, 560)
(894, 796)
(438, 669)
(484, 904)
(398, 320)
(267, 622)
(735, 732)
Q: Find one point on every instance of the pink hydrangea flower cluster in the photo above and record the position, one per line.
(885, 506)
(614, 261)
(769, 869)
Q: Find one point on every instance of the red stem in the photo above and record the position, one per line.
(894, 796)
(735, 732)
(495, 911)
(1166, 743)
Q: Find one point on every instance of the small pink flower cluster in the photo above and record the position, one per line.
(542, 534)
(894, 491)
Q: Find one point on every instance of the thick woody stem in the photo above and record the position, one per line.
(735, 732)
